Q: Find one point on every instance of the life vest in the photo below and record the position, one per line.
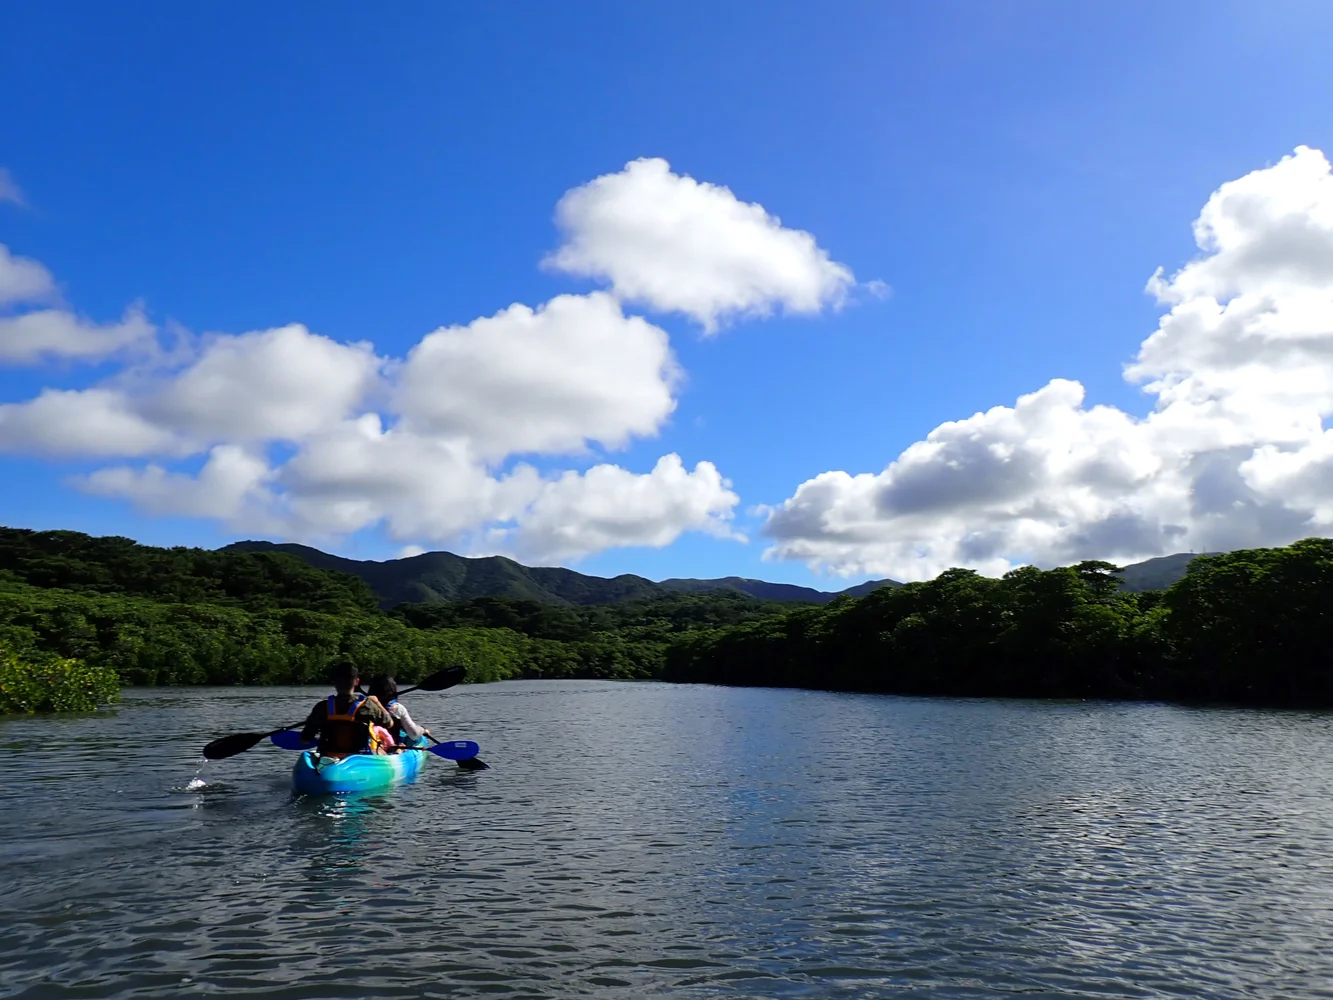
(343, 732)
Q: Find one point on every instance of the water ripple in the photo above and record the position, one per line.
(648, 840)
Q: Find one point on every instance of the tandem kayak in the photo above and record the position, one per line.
(359, 772)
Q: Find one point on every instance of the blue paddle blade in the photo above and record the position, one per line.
(290, 739)
(456, 750)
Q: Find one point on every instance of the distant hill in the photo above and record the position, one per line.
(1157, 574)
(443, 576)
(773, 591)
(861, 589)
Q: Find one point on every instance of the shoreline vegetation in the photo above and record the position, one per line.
(46, 683)
(81, 615)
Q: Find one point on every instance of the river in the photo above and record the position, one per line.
(642, 840)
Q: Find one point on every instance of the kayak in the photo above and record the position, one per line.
(358, 772)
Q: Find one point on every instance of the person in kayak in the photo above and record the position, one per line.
(343, 721)
(385, 689)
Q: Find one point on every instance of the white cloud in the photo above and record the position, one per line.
(95, 422)
(609, 507)
(1233, 454)
(546, 380)
(271, 385)
(23, 279)
(359, 475)
(671, 243)
(56, 333)
(230, 487)
(9, 189)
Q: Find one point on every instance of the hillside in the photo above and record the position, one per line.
(443, 576)
(257, 581)
(1157, 574)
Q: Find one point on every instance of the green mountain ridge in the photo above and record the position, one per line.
(443, 576)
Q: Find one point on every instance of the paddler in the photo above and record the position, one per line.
(342, 722)
(405, 728)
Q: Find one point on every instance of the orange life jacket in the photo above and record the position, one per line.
(343, 732)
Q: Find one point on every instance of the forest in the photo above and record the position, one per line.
(1248, 627)
(88, 614)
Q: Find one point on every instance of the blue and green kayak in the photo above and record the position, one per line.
(359, 772)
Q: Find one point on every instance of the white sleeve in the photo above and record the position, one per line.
(412, 730)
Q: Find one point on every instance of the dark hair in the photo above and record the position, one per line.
(343, 671)
(385, 688)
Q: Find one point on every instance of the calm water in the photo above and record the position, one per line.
(649, 840)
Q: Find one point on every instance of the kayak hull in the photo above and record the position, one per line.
(359, 772)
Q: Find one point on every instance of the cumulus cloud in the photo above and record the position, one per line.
(608, 507)
(98, 422)
(541, 380)
(32, 329)
(465, 399)
(1234, 452)
(9, 189)
(56, 333)
(270, 385)
(21, 278)
(677, 245)
(230, 487)
(421, 487)
(360, 474)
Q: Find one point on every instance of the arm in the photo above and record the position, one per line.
(314, 722)
(412, 730)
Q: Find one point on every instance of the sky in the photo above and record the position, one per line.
(808, 293)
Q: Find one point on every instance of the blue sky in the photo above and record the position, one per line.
(1015, 172)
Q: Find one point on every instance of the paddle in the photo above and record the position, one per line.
(469, 763)
(230, 746)
(459, 750)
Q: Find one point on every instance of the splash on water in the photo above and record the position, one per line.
(196, 784)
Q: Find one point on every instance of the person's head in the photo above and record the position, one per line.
(344, 676)
(385, 688)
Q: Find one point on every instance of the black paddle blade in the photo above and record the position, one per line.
(474, 764)
(442, 679)
(230, 746)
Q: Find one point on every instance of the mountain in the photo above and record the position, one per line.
(765, 591)
(861, 589)
(1159, 573)
(443, 576)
